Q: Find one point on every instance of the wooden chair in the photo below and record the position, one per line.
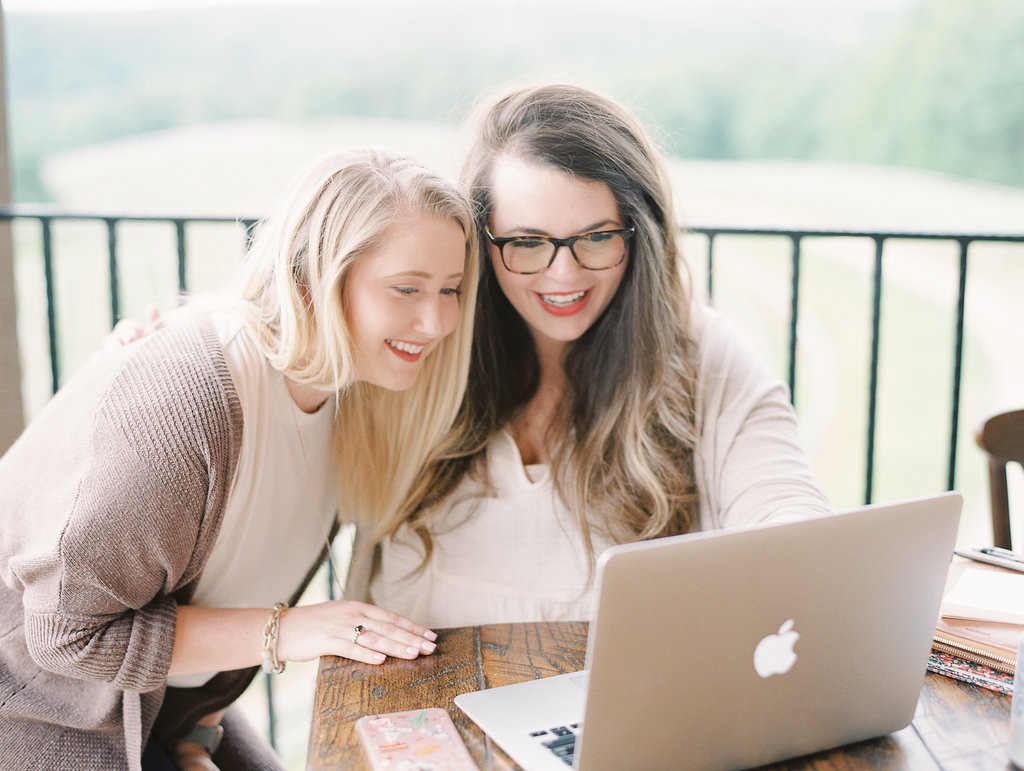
(1001, 436)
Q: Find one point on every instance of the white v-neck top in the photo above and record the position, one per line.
(518, 556)
(283, 497)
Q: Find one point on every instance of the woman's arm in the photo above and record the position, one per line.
(124, 474)
(220, 639)
(751, 465)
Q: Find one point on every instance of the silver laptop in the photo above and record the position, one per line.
(732, 649)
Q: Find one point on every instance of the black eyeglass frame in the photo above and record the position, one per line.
(626, 233)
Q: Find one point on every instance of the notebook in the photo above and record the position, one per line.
(731, 649)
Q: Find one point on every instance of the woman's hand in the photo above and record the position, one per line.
(128, 330)
(330, 628)
(219, 639)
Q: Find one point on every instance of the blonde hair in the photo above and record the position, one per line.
(291, 288)
(625, 436)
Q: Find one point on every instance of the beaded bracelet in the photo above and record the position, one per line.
(271, 664)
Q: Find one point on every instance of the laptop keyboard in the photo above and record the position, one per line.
(561, 740)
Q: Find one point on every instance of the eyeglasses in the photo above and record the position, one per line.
(599, 250)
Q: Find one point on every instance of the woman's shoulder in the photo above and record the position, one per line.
(176, 379)
(188, 349)
(157, 410)
(718, 341)
(727, 359)
(239, 346)
(710, 328)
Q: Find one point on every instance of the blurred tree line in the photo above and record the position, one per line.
(936, 84)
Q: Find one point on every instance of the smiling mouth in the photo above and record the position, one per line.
(406, 350)
(563, 300)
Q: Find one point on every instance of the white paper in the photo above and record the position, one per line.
(986, 595)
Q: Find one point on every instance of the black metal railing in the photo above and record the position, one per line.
(46, 216)
(879, 238)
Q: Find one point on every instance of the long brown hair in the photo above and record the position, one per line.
(627, 427)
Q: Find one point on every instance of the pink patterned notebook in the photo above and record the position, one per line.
(419, 738)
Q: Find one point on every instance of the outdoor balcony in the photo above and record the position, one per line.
(894, 317)
(894, 344)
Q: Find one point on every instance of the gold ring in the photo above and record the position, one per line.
(358, 630)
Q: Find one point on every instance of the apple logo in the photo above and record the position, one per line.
(774, 655)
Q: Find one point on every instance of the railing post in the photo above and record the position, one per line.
(51, 301)
(794, 313)
(958, 357)
(876, 334)
(179, 234)
(711, 266)
(115, 295)
(250, 232)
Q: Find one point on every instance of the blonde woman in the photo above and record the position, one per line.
(605, 403)
(172, 500)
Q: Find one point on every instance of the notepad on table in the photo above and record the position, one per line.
(982, 619)
(986, 595)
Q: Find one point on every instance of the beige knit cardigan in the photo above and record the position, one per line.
(110, 503)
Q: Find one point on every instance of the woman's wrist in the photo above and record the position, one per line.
(271, 631)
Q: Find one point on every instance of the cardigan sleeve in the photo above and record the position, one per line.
(157, 459)
(752, 469)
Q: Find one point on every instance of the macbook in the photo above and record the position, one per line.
(731, 649)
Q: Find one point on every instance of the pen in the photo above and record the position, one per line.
(993, 555)
(1005, 554)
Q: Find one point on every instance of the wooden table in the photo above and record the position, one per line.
(957, 726)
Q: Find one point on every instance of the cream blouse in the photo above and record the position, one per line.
(284, 494)
(516, 555)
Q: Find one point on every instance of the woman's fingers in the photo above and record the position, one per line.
(358, 652)
(125, 331)
(153, 316)
(128, 331)
(389, 640)
(355, 630)
(400, 622)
